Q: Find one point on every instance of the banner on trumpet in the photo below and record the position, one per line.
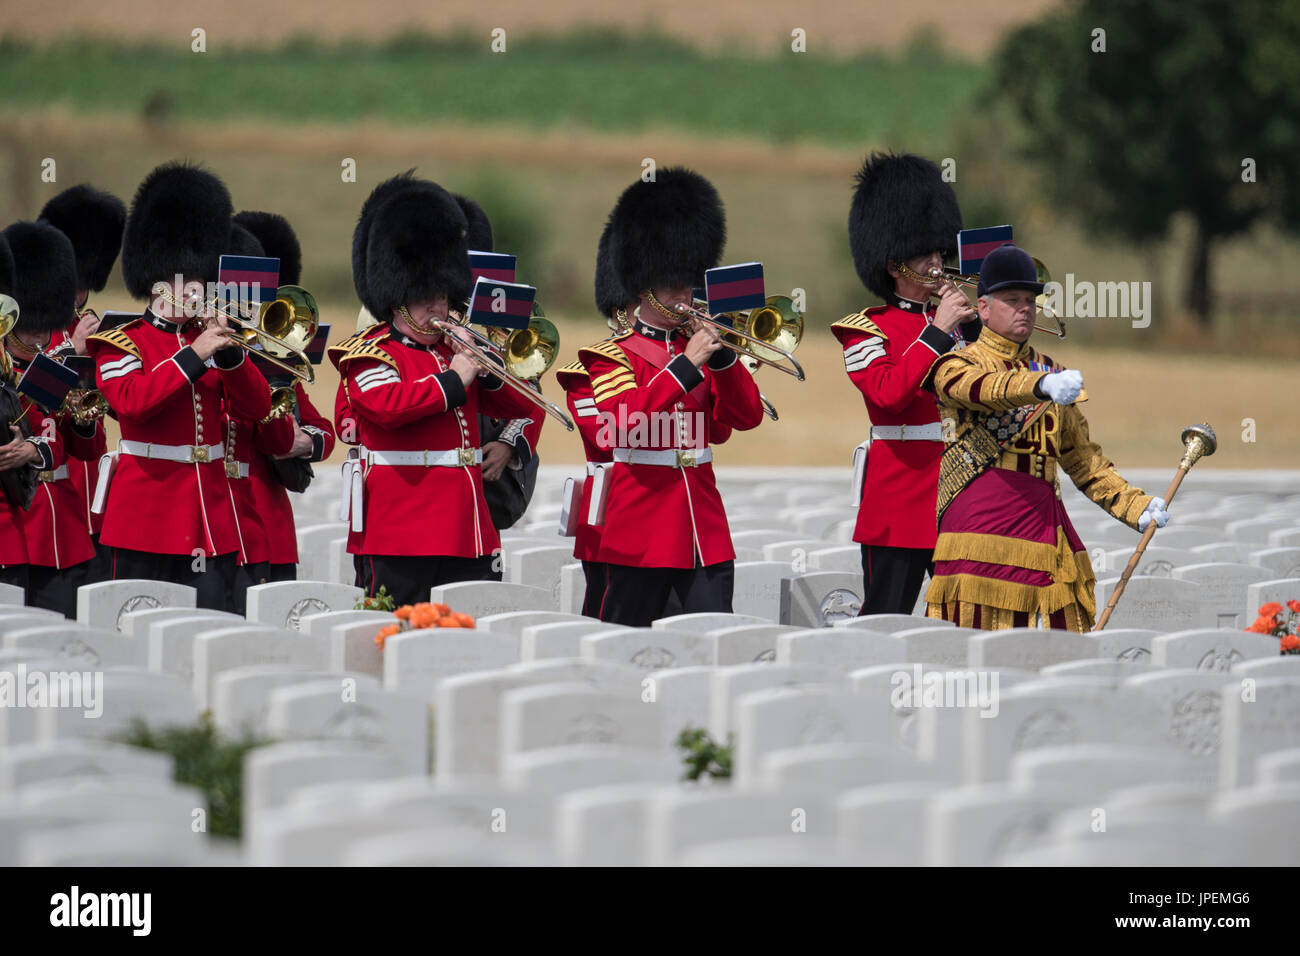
(505, 304)
(247, 281)
(974, 244)
(47, 382)
(735, 288)
(497, 266)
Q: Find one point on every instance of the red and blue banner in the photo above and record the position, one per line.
(974, 244)
(497, 266)
(47, 382)
(507, 304)
(735, 288)
(316, 347)
(250, 280)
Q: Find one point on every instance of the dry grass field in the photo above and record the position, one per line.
(971, 27)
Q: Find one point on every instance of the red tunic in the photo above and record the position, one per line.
(888, 352)
(398, 395)
(576, 383)
(247, 444)
(272, 498)
(649, 396)
(164, 394)
(55, 526)
(83, 459)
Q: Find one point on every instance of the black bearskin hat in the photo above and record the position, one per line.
(667, 232)
(480, 226)
(278, 241)
(94, 221)
(45, 276)
(901, 208)
(416, 249)
(6, 267)
(179, 225)
(242, 243)
(361, 234)
(610, 294)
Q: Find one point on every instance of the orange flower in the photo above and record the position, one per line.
(1291, 644)
(403, 612)
(1294, 605)
(1269, 609)
(441, 609)
(464, 620)
(1262, 625)
(385, 633)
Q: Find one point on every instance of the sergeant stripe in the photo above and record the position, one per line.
(615, 391)
(376, 382)
(861, 360)
(371, 374)
(862, 346)
(105, 374)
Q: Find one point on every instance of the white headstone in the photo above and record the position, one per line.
(414, 661)
(820, 598)
(558, 715)
(1221, 587)
(285, 604)
(649, 648)
(106, 603)
(483, 598)
(1259, 715)
(1209, 649)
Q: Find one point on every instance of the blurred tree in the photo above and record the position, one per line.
(1163, 121)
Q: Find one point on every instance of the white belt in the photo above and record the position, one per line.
(451, 458)
(182, 453)
(58, 474)
(931, 432)
(236, 472)
(591, 468)
(668, 457)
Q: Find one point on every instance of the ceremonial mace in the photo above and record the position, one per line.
(1199, 441)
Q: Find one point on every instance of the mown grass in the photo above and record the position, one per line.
(606, 81)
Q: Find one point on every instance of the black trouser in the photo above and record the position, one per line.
(891, 577)
(594, 572)
(56, 589)
(247, 575)
(283, 572)
(100, 567)
(215, 582)
(17, 575)
(640, 596)
(409, 578)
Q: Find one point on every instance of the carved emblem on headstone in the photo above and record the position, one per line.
(78, 650)
(355, 722)
(304, 608)
(653, 658)
(1158, 568)
(821, 725)
(1196, 722)
(766, 656)
(1213, 660)
(1023, 834)
(141, 602)
(1045, 729)
(593, 729)
(839, 604)
(1133, 654)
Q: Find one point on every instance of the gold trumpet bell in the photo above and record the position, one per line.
(288, 324)
(9, 312)
(529, 352)
(775, 323)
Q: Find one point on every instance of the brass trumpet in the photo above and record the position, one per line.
(946, 274)
(85, 405)
(513, 355)
(9, 313)
(283, 327)
(775, 321)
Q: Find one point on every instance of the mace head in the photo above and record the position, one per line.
(1200, 441)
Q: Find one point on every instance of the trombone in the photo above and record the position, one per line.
(284, 327)
(776, 321)
(513, 355)
(946, 274)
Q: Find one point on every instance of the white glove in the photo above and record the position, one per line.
(1155, 511)
(1062, 387)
